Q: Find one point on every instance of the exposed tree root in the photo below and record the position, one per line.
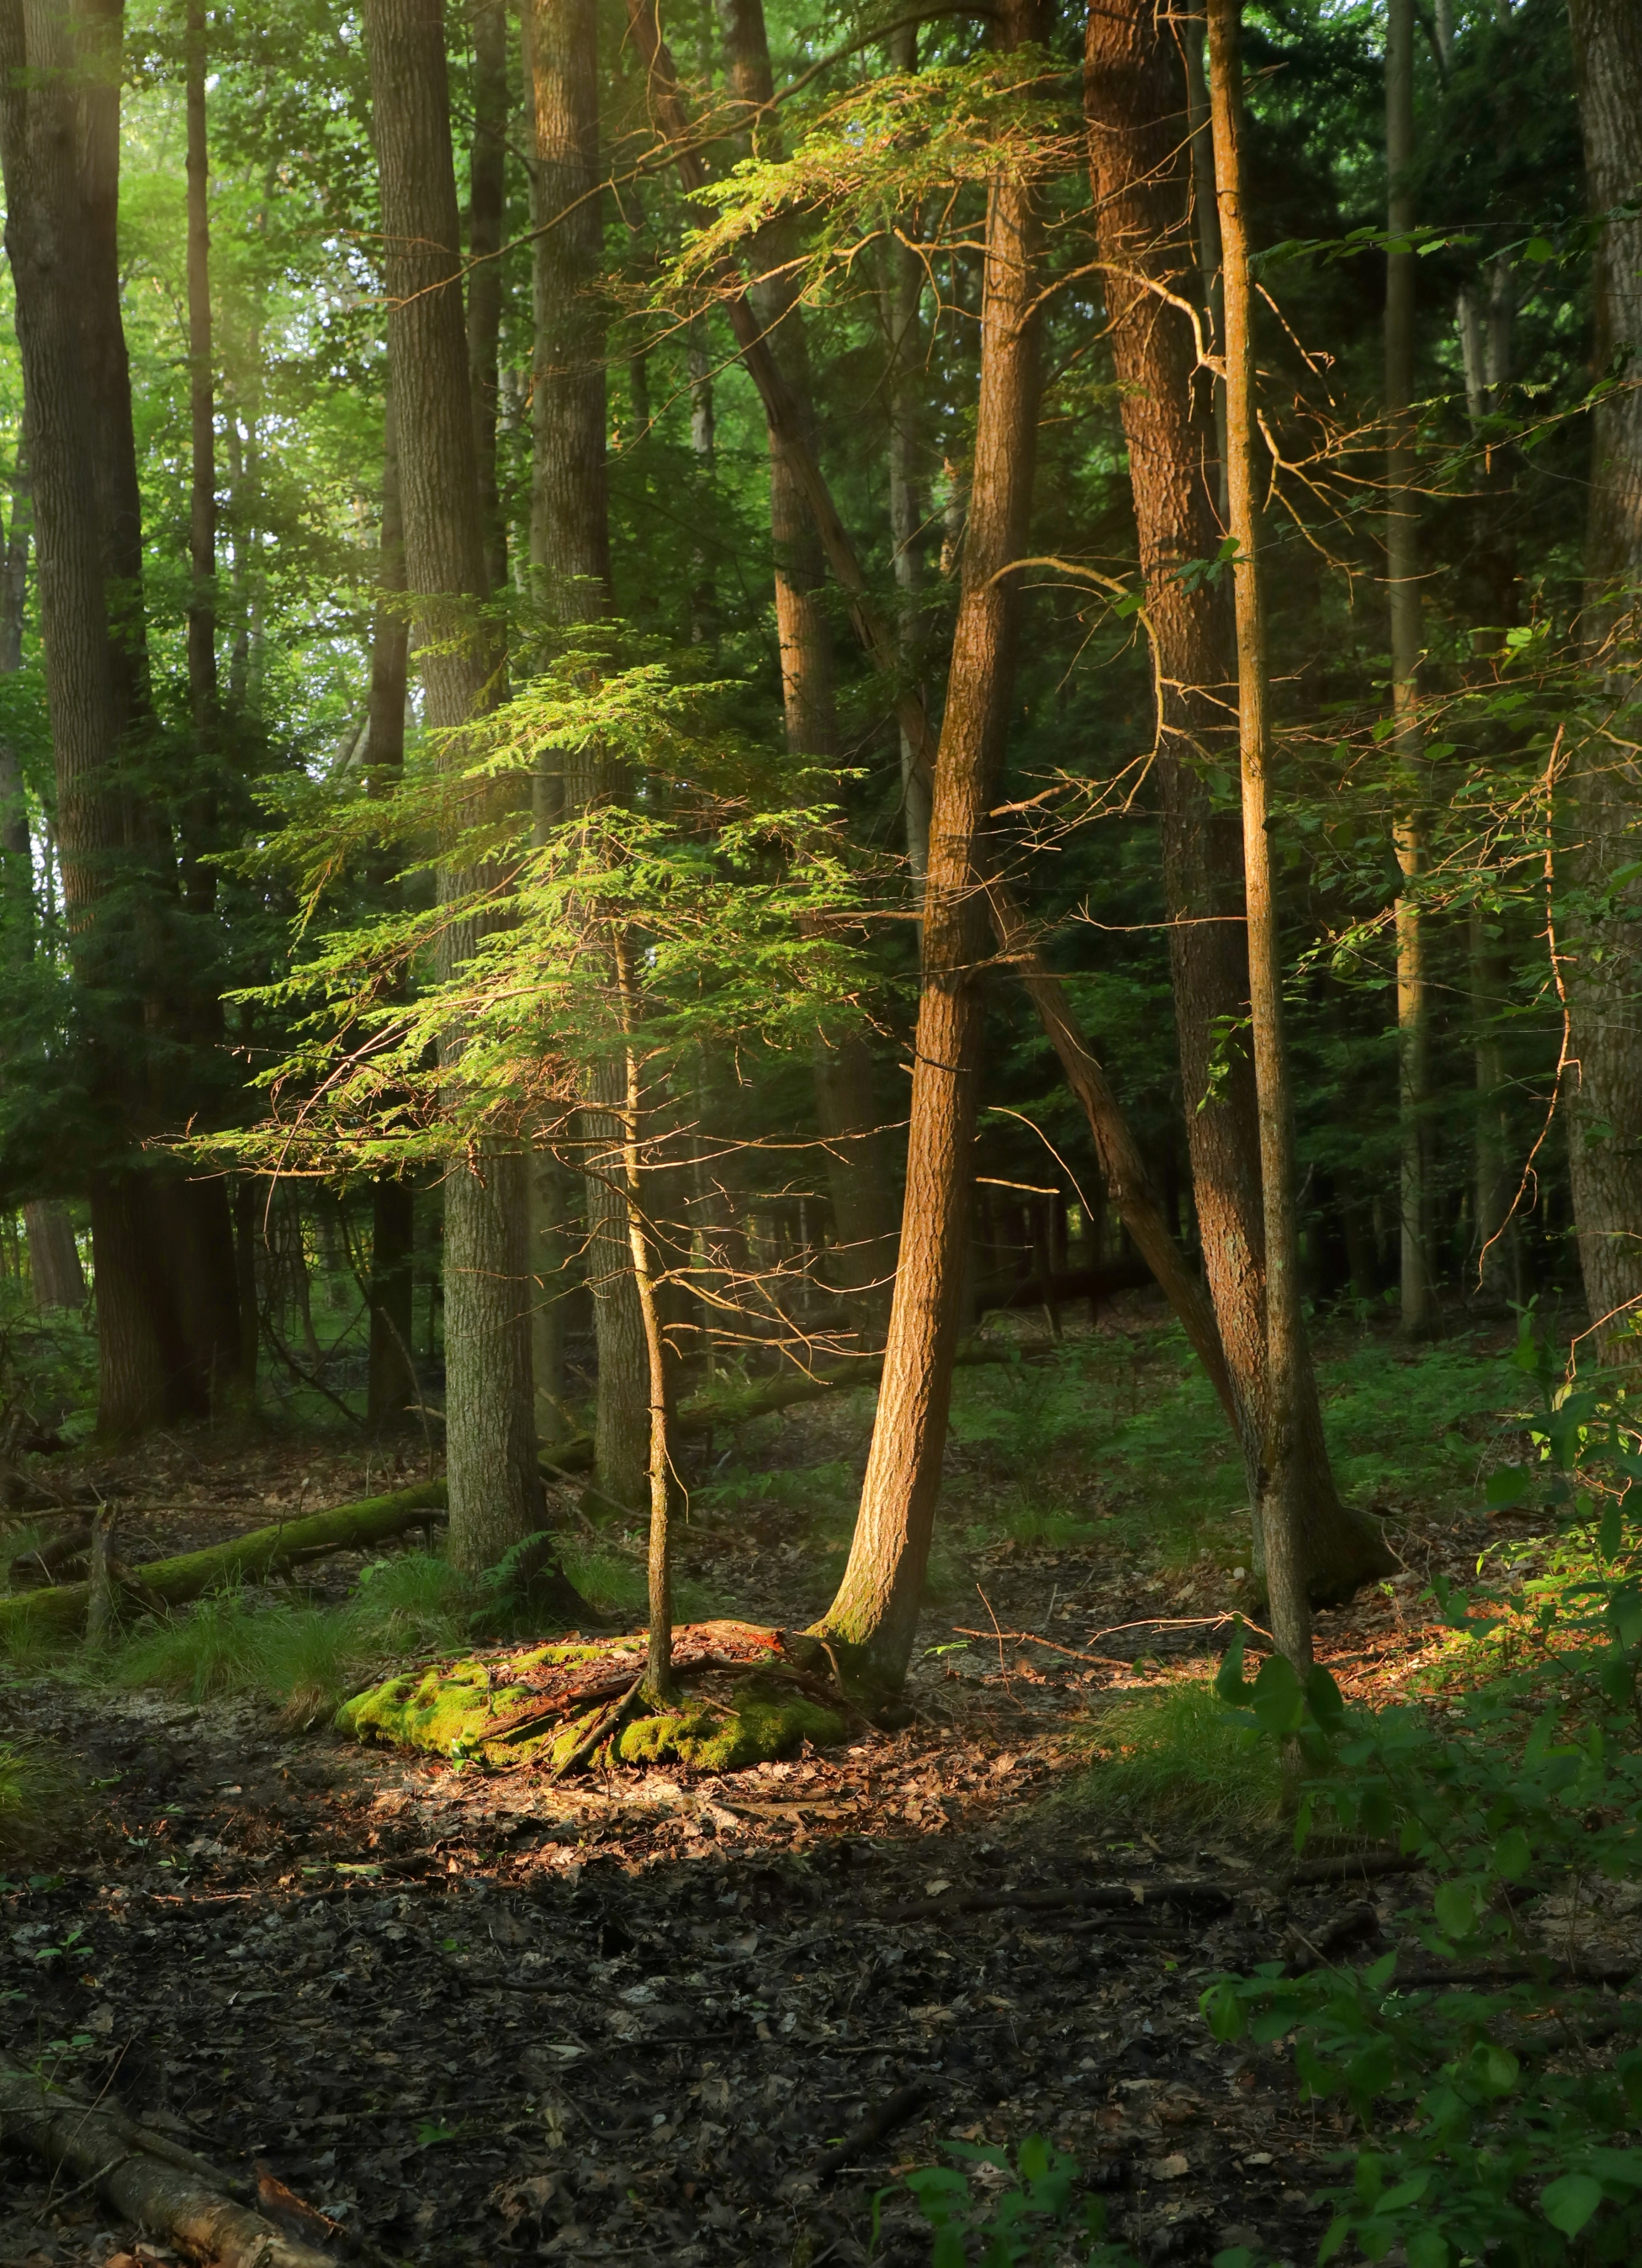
(164, 2191)
(572, 1705)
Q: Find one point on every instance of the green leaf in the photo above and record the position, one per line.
(1507, 1486)
(1427, 2249)
(1610, 1532)
(1539, 249)
(1512, 1855)
(1569, 2203)
(1495, 2069)
(430, 2131)
(1455, 1903)
(1325, 1699)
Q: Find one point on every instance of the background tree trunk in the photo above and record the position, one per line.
(1604, 962)
(570, 551)
(495, 1487)
(487, 178)
(874, 1613)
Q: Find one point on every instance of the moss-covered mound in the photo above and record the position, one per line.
(743, 1703)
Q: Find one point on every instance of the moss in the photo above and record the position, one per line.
(452, 1707)
(450, 1710)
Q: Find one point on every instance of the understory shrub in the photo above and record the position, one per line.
(1497, 2090)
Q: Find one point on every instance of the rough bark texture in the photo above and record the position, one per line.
(876, 1612)
(145, 2178)
(54, 1257)
(495, 1489)
(487, 176)
(1134, 99)
(907, 386)
(201, 392)
(1605, 964)
(570, 553)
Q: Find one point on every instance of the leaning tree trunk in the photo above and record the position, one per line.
(863, 1215)
(1135, 89)
(1604, 963)
(570, 552)
(874, 1613)
(1284, 1479)
(495, 1487)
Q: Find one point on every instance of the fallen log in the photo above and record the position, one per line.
(161, 2189)
(176, 1581)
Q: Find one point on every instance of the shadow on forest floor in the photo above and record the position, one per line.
(479, 2018)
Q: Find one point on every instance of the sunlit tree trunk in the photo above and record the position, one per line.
(907, 383)
(1142, 179)
(495, 1487)
(874, 1613)
(1604, 962)
(1282, 1477)
(1402, 584)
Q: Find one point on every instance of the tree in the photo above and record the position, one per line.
(1141, 176)
(1604, 966)
(1283, 1475)
(875, 1612)
(495, 1487)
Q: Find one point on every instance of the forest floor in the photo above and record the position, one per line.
(665, 2018)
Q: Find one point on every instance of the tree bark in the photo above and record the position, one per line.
(202, 613)
(1282, 1475)
(495, 1487)
(487, 177)
(54, 1257)
(570, 553)
(858, 1180)
(1402, 585)
(1134, 90)
(874, 1613)
(391, 1388)
(908, 489)
(1604, 962)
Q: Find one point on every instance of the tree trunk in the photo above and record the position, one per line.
(487, 176)
(908, 489)
(391, 1390)
(874, 1613)
(202, 613)
(570, 553)
(1282, 1477)
(1605, 963)
(857, 1171)
(53, 1258)
(1403, 583)
(1142, 182)
(495, 1487)
(16, 865)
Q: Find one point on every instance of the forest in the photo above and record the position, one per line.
(814, 818)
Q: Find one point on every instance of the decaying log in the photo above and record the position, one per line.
(176, 1581)
(163, 2190)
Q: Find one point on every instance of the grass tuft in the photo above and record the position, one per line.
(37, 1802)
(1176, 1755)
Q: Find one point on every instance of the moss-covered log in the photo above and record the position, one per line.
(252, 1558)
(561, 1705)
(148, 2182)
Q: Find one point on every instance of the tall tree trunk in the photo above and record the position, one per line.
(1403, 583)
(202, 394)
(487, 207)
(909, 488)
(1142, 182)
(1605, 963)
(1282, 1475)
(863, 1212)
(17, 866)
(874, 1613)
(495, 1487)
(570, 552)
(54, 1257)
(391, 1390)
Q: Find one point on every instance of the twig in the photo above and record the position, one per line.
(1117, 1895)
(876, 2126)
(1147, 1622)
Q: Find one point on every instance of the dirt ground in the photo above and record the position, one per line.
(475, 2017)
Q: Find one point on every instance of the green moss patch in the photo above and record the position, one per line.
(500, 1708)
